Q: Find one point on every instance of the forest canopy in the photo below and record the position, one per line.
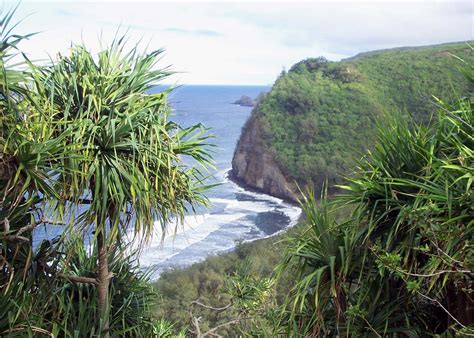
(320, 115)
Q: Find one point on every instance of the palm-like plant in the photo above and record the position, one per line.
(124, 160)
(71, 309)
(422, 235)
(88, 132)
(28, 153)
(403, 261)
(322, 257)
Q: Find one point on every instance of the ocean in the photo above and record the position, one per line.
(236, 214)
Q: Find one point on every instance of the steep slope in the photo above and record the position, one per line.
(320, 115)
(254, 164)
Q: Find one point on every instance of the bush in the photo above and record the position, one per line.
(402, 263)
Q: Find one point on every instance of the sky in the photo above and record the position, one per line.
(237, 43)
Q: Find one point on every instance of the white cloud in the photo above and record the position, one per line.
(243, 43)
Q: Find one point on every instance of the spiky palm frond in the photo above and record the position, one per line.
(86, 129)
(323, 256)
(411, 237)
(126, 156)
(71, 308)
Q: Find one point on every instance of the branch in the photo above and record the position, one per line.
(445, 310)
(232, 322)
(16, 238)
(444, 253)
(29, 227)
(79, 279)
(371, 327)
(211, 307)
(6, 224)
(52, 222)
(437, 273)
(32, 328)
(195, 322)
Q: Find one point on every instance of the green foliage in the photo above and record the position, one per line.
(248, 293)
(320, 116)
(402, 263)
(124, 157)
(223, 279)
(250, 300)
(124, 160)
(124, 154)
(68, 308)
(22, 189)
(84, 145)
(164, 328)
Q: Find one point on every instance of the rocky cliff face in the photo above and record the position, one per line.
(254, 166)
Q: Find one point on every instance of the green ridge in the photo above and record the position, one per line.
(320, 115)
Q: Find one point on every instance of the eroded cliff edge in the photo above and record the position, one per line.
(321, 116)
(253, 164)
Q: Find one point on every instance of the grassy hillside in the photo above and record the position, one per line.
(320, 115)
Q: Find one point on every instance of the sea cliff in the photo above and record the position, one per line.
(321, 116)
(254, 166)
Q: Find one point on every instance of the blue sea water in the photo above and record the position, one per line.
(235, 214)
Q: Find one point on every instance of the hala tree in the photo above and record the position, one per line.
(18, 176)
(30, 149)
(83, 131)
(125, 160)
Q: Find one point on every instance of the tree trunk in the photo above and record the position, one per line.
(465, 308)
(103, 284)
(341, 307)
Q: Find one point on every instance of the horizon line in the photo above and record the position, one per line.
(214, 84)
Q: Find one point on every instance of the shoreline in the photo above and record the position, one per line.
(228, 251)
(238, 181)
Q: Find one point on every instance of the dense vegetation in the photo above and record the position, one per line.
(403, 263)
(205, 282)
(84, 145)
(391, 256)
(320, 116)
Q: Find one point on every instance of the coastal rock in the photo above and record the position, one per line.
(246, 101)
(255, 167)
